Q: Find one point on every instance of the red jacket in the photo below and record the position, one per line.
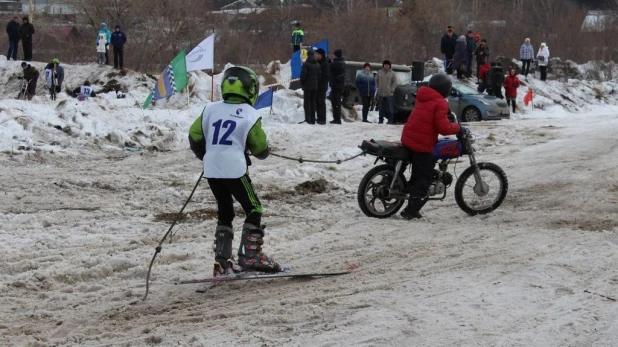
(511, 83)
(483, 71)
(427, 120)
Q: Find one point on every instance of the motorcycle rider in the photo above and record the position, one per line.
(420, 134)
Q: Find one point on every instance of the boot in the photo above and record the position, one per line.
(223, 250)
(250, 255)
(412, 211)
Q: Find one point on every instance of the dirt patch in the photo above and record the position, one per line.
(318, 186)
(587, 224)
(197, 215)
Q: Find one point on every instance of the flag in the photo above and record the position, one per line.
(265, 99)
(528, 97)
(297, 59)
(148, 101)
(173, 79)
(202, 56)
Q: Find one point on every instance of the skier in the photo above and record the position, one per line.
(84, 92)
(31, 75)
(101, 49)
(420, 134)
(108, 37)
(221, 137)
(54, 76)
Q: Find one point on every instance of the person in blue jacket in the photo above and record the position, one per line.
(366, 84)
(108, 36)
(118, 41)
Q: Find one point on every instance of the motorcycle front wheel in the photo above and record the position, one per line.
(481, 197)
(373, 188)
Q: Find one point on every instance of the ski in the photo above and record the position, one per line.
(248, 276)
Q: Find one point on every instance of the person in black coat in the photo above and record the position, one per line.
(447, 47)
(309, 80)
(13, 29)
(322, 85)
(337, 84)
(118, 39)
(26, 31)
(471, 48)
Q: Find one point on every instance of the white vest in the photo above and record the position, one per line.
(226, 127)
(48, 77)
(85, 90)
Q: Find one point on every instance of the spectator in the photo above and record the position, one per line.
(482, 56)
(27, 30)
(366, 84)
(496, 79)
(459, 58)
(511, 83)
(386, 81)
(31, 75)
(54, 75)
(101, 49)
(323, 85)
(118, 41)
(447, 47)
(484, 77)
(297, 37)
(309, 80)
(13, 29)
(543, 58)
(526, 54)
(471, 48)
(337, 84)
(108, 37)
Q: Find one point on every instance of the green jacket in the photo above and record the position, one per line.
(297, 37)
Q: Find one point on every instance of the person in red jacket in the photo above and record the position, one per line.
(420, 134)
(511, 83)
(484, 77)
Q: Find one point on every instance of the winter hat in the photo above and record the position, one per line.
(104, 25)
(321, 52)
(386, 62)
(365, 65)
(543, 45)
(338, 53)
(477, 36)
(470, 31)
(117, 26)
(25, 18)
(24, 64)
(56, 61)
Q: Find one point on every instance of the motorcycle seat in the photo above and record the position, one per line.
(386, 149)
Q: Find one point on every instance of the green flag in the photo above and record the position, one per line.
(148, 101)
(173, 79)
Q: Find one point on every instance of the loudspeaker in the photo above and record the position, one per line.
(418, 70)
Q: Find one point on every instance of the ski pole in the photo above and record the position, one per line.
(158, 248)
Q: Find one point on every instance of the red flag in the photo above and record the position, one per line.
(528, 97)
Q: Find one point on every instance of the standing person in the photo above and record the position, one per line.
(54, 75)
(27, 30)
(447, 47)
(511, 83)
(484, 83)
(471, 48)
(482, 56)
(459, 58)
(108, 36)
(101, 49)
(118, 41)
(366, 84)
(298, 36)
(543, 58)
(337, 84)
(322, 85)
(420, 134)
(386, 82)
(13, 29)
(221, 137)
(309, 80)
(31, 75)
(526, 54)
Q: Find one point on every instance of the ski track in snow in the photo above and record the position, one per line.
(78, 229)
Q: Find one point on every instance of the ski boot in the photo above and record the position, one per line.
(415, 204)
(223, 250)
(250, 255)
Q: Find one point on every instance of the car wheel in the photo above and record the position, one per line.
(471, 114)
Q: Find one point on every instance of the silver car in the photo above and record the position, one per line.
(471, 106)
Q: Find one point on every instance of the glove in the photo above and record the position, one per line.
(463, 131)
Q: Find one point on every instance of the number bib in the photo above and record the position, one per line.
(226, 127)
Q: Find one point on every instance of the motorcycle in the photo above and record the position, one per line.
(480, 189)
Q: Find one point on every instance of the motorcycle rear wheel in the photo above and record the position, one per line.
(370, 192)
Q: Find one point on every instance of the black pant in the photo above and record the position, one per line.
(13, 46)
(118, 60)
(543, 72)
(422, 172)
(295, 48)
(448, 61)
(310, 105)
(478, 69)
(27, 50)
(525, 66)
(335, 99)
(496, 90)
(510, 101)
(240, 188)
(366, 103)
(321, 105)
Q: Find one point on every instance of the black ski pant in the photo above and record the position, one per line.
(512, 102)
(321, 106)
(118, 57)
(543, 72)
(525, 66)
(335, 99)
(225, 189)
(310, 105)
(422, 174)
(27, 45)
(366, 103)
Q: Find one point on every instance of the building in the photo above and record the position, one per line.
(52, 7)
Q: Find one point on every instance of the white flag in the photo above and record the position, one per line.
(202, 56)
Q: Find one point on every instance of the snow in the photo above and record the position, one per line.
(81, 217)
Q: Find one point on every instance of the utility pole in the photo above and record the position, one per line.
(31, 10)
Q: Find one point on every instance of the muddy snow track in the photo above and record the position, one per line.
(76, 235)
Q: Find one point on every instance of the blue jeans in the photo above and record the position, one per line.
(469, 65)
(12, 50)
(386, 109)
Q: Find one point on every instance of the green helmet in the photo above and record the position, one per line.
(240, 82)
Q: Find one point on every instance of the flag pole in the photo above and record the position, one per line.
(212, 85)
(271, 101)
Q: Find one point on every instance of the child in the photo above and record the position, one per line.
(420, 134)
(511, 83)
(221, 137)
(101, 49)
